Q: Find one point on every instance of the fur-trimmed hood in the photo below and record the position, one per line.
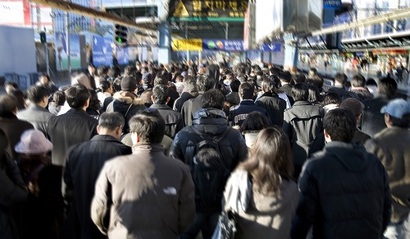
(127, 97)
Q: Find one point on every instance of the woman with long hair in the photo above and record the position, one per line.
(272, 193)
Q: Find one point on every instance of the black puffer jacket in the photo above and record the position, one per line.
(344, 194)
(210, 122)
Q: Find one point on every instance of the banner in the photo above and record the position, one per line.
(222, 45)
(334, 4)
(186, 45)
(62, 54)
(274, 47)
(122, 55)
(102, 51)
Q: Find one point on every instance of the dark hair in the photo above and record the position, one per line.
(358, 81)
(341, 78)
(299, 78)
(4, 142)
(270, 160)
(371, 81)
(235, 85)
(45, 75)
(255, 121)
(205, 83)
(340, 124)
(404, 122)
(246, 90)
(300, 92)
(37, 93)
(316, 81)
(160, 93)
(77, 95)
(129, 70)
(331, 98)
(59, 97)
(111, 120)
(149, 125)
(8, 103)
(104, 86)
(160, 80)
(190, 84)
(213, 98)
(387, 86)
(314, 94)
(267, 85)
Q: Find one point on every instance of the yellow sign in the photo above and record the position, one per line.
(187, 45)
(180, 10)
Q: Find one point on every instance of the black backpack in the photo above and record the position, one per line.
(210, 171)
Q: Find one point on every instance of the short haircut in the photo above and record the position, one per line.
(235, 85)
(37, 93)
(59, 97)
(341, 78)
(104, 86)
(299, 78)
(300, 92)
(213, 98)
(111, 120)
(161, 80)
(404, 122)
(316, 81)
(190, 84)
(267, 85)
(8, 103)
(314, 93)
(387, 86)
(160, 93)
(149, 125)
(205, 83)
(340, 124)
(77, 95)
(246, 90)
(255, 121)
(331, 98)
(358, 81)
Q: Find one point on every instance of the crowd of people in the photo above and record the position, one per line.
(161, 151)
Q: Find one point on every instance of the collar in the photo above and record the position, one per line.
(104, 137)
(301, 103)
(247, 102)
(160, 107)
(143, 146)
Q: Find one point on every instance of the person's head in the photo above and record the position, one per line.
(110, 123)
(358, 81)
(38, 95)
(147, 126)
(285, 77)
(354, 105)
(314, 94)
(9, 87)
(160, 81)
(396, 113)
(105, 86)
(160, 94)
(128, 84)
(190, 84)
(316, 81)
(267, 85)
(339, 125)
(300, 92)
(205, 82)
(146, 98)
(33, 142)
(78, 97)
(235, 85)
(129, 71)
(299, 78)
(270, 160)
(331, 98)
(312, 72)
(81, 79)
(213, 98)
(246, 91)
(255, 122)
(44, 79)
(59, 97)
(340, 79)
(387, 86)
(8, 104)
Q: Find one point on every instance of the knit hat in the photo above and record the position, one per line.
(396, 108)
(128, 84)
(33, 142)
(352, 104)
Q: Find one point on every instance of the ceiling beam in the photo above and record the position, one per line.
(92, 13)
(397, 14)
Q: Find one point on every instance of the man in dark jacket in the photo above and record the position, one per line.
(147, 194)
(173, 119)
(210, 121)
(344, 190)
(189, 92)
(73, 127)
(271, 102)
(84, 163)
(303, 125)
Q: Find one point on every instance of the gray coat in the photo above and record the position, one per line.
(37, 116)
(145, 195)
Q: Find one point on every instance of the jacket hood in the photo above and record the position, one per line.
(352, 156)
(127, 97)
(210, 121)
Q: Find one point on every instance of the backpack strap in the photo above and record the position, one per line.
(126, 113)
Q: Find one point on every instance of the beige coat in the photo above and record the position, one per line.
(268, 216)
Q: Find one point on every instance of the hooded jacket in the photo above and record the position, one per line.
(210, 123)
(344, 194)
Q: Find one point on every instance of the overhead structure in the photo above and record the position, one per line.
(397, 14)
(92, 13)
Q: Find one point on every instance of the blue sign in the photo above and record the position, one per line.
(274, 47)
(102, 51)
(122, 55)
(222, 45)
(332, 4)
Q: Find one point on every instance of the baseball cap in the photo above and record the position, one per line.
(396, 108)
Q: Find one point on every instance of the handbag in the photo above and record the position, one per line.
(226, 227)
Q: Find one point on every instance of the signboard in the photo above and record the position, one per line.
(192, 10)
(102, 51)
(186, 45)
(274, 47)
(62, 54)
(222, 45)
(334, 4)
(122, 55)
